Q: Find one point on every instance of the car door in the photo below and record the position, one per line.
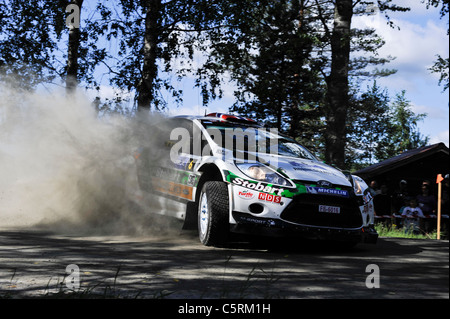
(170, 164)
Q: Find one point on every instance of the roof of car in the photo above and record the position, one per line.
(221, 117)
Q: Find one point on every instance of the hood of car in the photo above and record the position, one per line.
(308, 170)
(313, 171)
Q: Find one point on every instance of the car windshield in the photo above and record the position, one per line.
(255, 139)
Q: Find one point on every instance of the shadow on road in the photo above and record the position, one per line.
(33, 264)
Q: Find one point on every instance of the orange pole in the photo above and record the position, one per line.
(439, 182)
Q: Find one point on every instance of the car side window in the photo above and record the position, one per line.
(186, 137)
(181, 135)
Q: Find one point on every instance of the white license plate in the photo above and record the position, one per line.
(329, 209)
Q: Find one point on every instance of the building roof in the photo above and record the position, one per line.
(435, 152)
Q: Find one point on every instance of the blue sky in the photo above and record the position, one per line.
(422, 35)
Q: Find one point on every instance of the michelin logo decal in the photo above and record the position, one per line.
(326, 191)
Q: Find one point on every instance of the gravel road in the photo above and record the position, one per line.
(33, 264)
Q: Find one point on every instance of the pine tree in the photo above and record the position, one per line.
(368, 135)
(404, 133)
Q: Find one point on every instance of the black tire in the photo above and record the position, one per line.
(213, 210)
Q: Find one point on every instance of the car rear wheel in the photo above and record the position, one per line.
(213, 221)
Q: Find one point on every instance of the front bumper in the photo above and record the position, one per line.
(249, 224)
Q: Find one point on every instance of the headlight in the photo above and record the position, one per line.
(359, 185)
(263, 173)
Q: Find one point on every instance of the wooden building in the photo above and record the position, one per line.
(413, 166)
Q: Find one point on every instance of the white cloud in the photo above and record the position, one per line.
(187, 110)
(434, 113)
(414, 46)
(421, 37)
(440, 137)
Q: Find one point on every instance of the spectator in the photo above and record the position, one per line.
(382, 205)
(382, 202)
(373, 188)
(445, 208)
(400, 195)
(426, 200)
(412, 213)
(399, 219)
(406, 202)
(445, 196)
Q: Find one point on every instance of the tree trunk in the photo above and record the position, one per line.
(145, 90)
(72, 53)
(337, 94)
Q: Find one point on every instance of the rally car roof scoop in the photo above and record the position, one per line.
(233, 118)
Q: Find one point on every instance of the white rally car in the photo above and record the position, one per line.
(223, 173)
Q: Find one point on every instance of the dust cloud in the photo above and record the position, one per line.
(65, 169)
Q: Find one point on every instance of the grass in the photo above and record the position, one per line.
(393, 231)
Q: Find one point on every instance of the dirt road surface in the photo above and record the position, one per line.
(33, 264)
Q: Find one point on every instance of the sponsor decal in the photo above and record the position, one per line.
(261, 187)
(288, 192)
(269, 198)
(367, 198)
(174, 175)
(255, 220)
(184, 163)
(306, 167)
(191, 165)
(171, 188)
(246, 194)
(312, 167)
(326, 191)
(368, 204)
(191, 180)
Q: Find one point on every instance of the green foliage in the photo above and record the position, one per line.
(33, 47)
(381, 128)
(442, 66)
(276, 53)
(370, 129)
(404, 132)
(156, 42)
(268, 58)
(28, 42)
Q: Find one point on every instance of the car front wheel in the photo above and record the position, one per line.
(213, 221)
